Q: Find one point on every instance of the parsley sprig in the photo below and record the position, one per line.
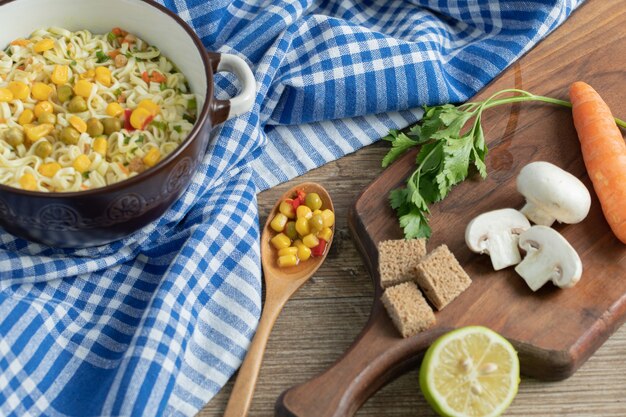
(452, 141)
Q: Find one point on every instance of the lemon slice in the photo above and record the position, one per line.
(470, 372)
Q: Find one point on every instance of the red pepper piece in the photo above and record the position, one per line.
(319, 249)
(127, 124)
(295, 203)
(145, 77)
(301, 195)
(147, 122)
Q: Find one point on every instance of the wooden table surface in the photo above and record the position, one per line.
(324, 317)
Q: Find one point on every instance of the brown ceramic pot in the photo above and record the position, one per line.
(96, 217)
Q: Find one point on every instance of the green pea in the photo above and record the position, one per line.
(77, 105)
(44, 149)
(64, 93)
(290, 230)
(111, 125)
(313, 201)
(70, 136)
(14, 137)
(94, 127)
(47, 117)
(316, 222)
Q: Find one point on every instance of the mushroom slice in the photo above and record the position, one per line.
(495, 233)
(552, 194)
(549, 257)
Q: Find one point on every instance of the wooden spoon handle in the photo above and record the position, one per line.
(243, 391)
(373, 360)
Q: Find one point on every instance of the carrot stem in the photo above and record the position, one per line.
(521, 96)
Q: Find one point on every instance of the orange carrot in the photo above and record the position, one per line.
(157, 77)
(604, 153)
(20, 42)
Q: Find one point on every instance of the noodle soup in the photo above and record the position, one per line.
(80, 111)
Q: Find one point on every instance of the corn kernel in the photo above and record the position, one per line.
(278, 222)
(281, 241)
(328, 217)
(310, 241)
(149, 105)
(303, 211)
(287, 260)
(81, 163)
(28, 182)
(43, 107)
(83, 88)
(100, 145)
(6, 95)
(114, 109)
(152, 157)
(138, 117)
(78, 123)
(36, 132)
(43, 45)
(326, 233)
(49, 170)
(20, 90)
(87, 75)
(103, 76)
(41, 91)
(60, 74)
(302, 226)
(26, 117)
(287, 209)
(291, 250)
(304, 253)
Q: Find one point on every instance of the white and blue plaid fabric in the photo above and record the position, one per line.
(157, 323)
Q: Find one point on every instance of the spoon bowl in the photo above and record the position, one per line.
(280, 285)
(304, 270)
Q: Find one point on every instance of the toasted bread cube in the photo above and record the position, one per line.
(397, 260)
(441, 277)
(408, 309)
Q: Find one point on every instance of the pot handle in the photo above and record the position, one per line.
(222, 110)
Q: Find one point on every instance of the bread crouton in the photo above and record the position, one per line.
(397, 260)
(441, 277)
(408, 309)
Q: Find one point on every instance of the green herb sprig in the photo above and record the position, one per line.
(448, 150)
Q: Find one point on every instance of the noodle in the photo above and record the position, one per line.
(65, 96)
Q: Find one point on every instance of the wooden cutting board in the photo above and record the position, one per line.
(554, 330)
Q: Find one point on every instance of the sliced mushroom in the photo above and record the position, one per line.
(496, 233)
(552, 194)
(549, 257)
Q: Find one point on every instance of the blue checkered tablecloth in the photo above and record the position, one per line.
(157, 323)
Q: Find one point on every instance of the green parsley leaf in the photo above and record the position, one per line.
(178, 128)
(192, 104)
(400, 143)
(101, 57)
(111, 37)
(161, 125)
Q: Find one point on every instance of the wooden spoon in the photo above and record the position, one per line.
(280, 285)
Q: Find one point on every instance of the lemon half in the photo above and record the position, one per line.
(470, 372)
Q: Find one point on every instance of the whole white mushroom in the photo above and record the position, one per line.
(552, 194)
